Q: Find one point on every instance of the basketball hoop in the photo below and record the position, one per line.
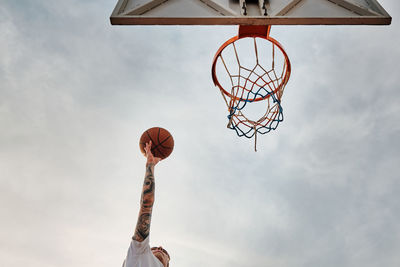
(249, 84)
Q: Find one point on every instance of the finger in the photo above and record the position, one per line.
(148, 147)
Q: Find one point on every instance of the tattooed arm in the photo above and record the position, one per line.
(147, 200)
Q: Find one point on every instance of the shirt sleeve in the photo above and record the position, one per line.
(136, 249)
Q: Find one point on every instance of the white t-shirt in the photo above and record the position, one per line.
(140, 255)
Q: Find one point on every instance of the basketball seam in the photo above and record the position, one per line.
(158, 143)
(155, 147)
(166, 139)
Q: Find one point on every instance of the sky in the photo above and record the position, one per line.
(76, 94)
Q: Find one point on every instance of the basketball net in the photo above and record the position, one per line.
(252, 83)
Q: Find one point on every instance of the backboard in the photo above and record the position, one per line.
(249, 12)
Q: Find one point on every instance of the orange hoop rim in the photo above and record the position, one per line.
(251, 35)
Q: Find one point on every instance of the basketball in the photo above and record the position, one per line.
(162, 142)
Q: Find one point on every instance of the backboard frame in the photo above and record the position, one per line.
(229, 12)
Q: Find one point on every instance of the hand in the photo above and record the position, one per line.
(150, 158)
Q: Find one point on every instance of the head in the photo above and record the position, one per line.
(161, 254)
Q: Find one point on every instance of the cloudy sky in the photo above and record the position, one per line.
(76, 94)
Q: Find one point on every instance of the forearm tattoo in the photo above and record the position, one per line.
(146, 206)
